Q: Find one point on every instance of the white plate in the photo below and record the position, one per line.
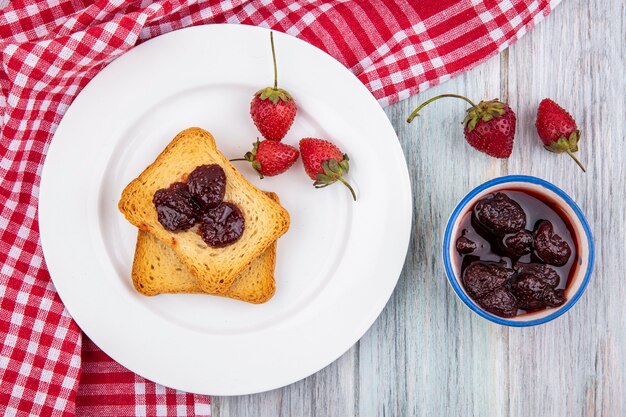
(336, 267)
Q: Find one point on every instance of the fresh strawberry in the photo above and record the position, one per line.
(489, 126)
(557, 129)
(324, 163)
(273, 109)
(273, 113)
(270, 158)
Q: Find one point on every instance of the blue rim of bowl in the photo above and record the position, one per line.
(448, 264)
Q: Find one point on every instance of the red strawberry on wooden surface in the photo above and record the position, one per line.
(273, 109)
(489, 126)
(557, 129)
(324, 163)
(270, 158)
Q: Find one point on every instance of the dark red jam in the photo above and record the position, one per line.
(222, 225)
(175, 208)
(200, 200)
(207, 185)
(517, 253)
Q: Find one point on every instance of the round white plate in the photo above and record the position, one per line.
(336, 266)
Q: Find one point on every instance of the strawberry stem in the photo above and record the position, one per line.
(576, 160)
(274, 60)
(344, 182)
(237, 159)
(424, 104)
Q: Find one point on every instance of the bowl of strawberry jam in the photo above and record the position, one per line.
(518, 251)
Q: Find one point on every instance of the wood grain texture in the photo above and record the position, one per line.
(427, 354)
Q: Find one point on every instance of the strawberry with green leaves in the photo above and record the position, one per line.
(489, 126)
(273, 110)
(270, 158)
(557, 129)
(324, 163)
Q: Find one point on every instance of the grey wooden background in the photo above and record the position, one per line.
(427, 354)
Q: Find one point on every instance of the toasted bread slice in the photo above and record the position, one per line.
(157, 270)
(215, 269)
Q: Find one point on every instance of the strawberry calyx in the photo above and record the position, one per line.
(273, 94)
(564, 144)
(250, 156)
(333, 171)
(567, 145)
(485, 111)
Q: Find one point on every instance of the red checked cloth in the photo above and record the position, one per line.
(49, 50)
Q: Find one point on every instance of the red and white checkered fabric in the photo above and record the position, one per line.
(50, 49)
